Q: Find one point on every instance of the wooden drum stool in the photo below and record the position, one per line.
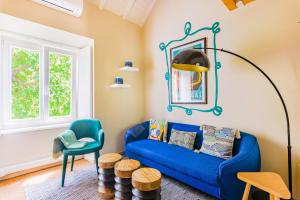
(123, 172)
(107, 175)
(146, 183)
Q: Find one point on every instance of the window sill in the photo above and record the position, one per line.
(30, 129)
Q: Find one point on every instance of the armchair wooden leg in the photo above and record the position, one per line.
(65, 162)
(72, 163)
(97, 155)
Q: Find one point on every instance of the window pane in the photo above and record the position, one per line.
(60, 84)
(25, 87)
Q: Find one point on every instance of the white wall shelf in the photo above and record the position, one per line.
(120, 86)
(129, 69)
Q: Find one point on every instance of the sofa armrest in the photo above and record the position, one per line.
(246, 160)
(137, 132)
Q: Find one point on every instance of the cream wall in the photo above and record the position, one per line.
(266, 32)
(115, 41)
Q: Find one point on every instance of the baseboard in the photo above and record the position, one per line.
(29, 167)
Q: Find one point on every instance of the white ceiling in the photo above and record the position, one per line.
(135, 11)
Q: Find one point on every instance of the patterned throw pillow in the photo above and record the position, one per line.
(218, 142)
(156, 129)
(183, 139)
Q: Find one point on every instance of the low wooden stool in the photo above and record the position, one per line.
(266, 181)
(146, 183)
(107, 175)
(123, 172)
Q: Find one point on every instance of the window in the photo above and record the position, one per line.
(38, 84)
(25, 83)
(60, 84)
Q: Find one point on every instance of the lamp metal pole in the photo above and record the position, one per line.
(289, 147)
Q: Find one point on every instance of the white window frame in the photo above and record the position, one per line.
(44, 118)
(73, 115)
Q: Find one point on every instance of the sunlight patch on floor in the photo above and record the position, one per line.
(38, 179)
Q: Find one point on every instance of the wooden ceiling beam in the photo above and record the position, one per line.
(127, 9)
(247, 1)
(230, 4)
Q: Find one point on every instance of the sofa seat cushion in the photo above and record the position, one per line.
(197, 165)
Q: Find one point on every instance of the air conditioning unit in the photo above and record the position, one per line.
(72, 7)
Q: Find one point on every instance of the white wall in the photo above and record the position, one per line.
(266, 32)
(21, 148)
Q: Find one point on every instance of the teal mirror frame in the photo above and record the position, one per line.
(215, 29)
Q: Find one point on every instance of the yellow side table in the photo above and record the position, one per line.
(266, 181)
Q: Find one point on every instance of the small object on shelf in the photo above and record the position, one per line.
(119, 80)
(128, 67)
(119, 83)
(120, 86)
(128, 63)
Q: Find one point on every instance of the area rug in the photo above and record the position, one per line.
(82, 185)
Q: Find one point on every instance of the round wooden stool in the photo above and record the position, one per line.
(107, 175)
(123, 172)
(146, 183)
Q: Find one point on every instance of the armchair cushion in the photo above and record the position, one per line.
(90, 147)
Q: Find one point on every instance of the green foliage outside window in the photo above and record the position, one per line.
(25, 88)
(25, 84)
(60, 84)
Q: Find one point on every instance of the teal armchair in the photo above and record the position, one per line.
(86, 128)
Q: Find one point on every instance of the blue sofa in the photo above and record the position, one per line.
(215, 176)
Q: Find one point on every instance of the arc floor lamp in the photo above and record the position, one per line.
(196, 60)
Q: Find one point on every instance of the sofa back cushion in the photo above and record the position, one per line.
(186, 128)
(199, 136)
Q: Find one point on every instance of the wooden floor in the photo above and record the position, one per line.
(13, 189)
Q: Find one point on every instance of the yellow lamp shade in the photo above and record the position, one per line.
(191, 60)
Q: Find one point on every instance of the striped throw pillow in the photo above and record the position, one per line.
(218, 142)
